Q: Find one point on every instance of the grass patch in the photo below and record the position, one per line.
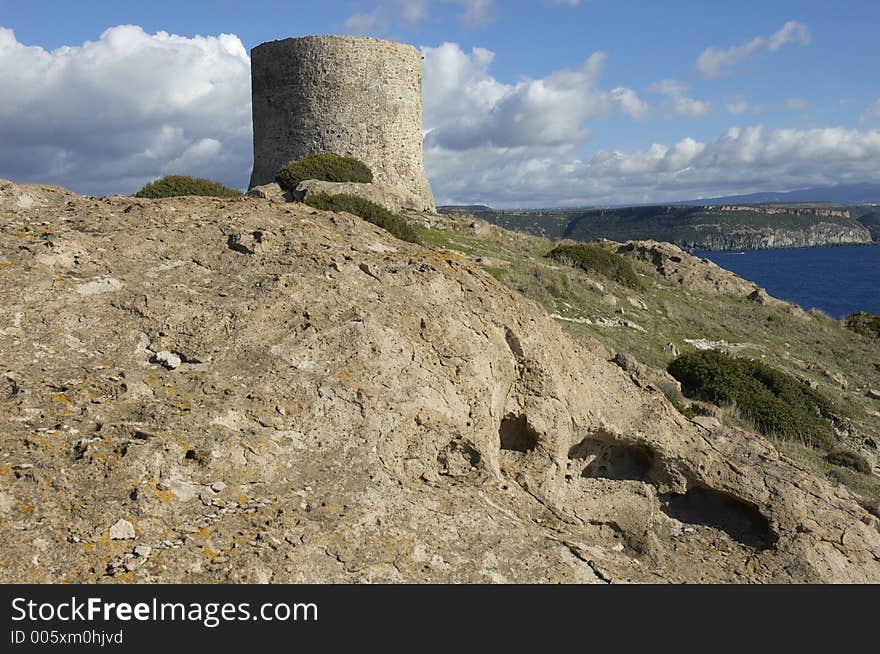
(370, 211)
(849, 459)
(865, 485)
(777, 403)
(593, 258)
(325, 167)
(173, 186)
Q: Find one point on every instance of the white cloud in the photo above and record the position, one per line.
(465, 106)
(739, 105)
(111, 114)
(387, 12)
(871, 112)
(477, 12)
(677, 100)
(742, 160)
(792, 32)
(714, 62)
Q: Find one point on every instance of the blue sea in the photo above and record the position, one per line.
(837, 280)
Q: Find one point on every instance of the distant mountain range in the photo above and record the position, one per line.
(843, 194)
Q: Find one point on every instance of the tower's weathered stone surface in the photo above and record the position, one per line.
(350, 96)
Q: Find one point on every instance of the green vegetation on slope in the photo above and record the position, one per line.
(593, 258)
(866, 324)
(174, 186)
(369, 211)
(776, 403)
(870, 218)
(325, 167)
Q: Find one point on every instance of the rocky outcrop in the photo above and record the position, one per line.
(392, 198)
(346, 407)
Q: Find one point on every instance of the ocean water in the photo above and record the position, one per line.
(837, 280)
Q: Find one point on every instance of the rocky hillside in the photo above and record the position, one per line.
(203, 390)
(725, 227)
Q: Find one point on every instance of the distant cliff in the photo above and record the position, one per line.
(721, 227)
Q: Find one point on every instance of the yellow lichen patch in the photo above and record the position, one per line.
(62, 398)
(164, 496)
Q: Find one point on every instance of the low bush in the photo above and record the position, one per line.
(593, 258)
(849, 459)
(866, 324)
(325, 167)
(775, 402)
(174, 186)
(369, 211)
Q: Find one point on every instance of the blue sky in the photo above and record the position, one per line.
(527, 103)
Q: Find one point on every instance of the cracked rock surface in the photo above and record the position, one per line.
(346, 407)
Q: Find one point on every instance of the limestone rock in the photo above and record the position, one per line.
(122, 530)
(271, 192)
(422, 423)
(390, 197)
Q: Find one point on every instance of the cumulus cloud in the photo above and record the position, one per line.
(678, 102)
(715, 62)
(741, 160)
(466, 107)
(111, 114)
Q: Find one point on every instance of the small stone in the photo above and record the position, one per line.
(143, 551)
(218, 487)
(873, 394)
(168, 359)
(122, 530)
(132, 564)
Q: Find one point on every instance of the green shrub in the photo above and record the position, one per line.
(369, 211)
(325, 167)
(849, 459)
(866, 324)
(174, 186)
(593, 258)
(778, 404)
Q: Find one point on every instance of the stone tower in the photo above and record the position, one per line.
(359, 97)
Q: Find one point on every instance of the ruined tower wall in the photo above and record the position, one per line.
(351, 96)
